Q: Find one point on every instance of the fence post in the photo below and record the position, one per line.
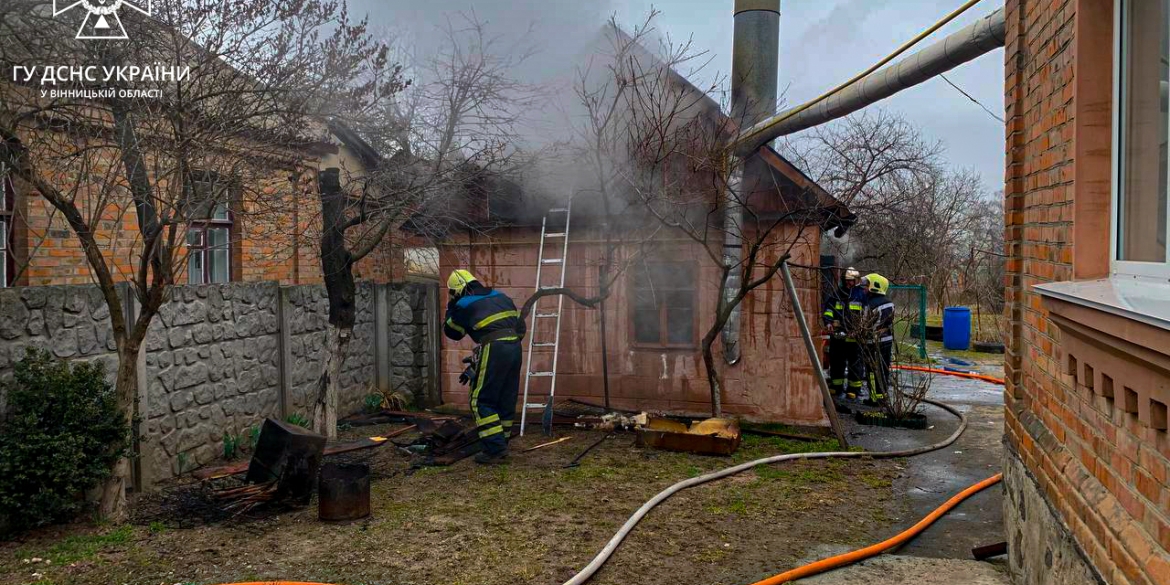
(922, 321)
(130, 310)
(433, 348)
(382, 337)
(284, 348)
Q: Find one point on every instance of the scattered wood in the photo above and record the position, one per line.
(366, 443)
(543, 445)
(982, 553)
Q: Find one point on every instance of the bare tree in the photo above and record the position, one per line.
(857, 157)
(233, 99)
(662, 147)
(454, 123)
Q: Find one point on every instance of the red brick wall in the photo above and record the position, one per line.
(266, 245)
(773, 381)
(1103, 475)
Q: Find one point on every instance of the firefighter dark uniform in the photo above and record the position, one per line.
(842, 311)
(494, 324)
(879, 348)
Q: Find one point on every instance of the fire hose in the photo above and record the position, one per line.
(812, 568)
(818, 567)
(626, 528)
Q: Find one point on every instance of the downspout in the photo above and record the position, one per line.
(965, 45)
(755, 61)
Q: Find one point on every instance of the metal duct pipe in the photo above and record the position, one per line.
(755, 61)
(967, 44)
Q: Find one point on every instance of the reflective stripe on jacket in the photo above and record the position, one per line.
(478, 315)
(884, 307)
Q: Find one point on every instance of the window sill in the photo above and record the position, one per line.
(1138, 300)
(1114, 345)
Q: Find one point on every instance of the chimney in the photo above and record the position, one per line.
(755, 60)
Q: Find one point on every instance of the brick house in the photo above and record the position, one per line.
(239, 242)
(1087, 460)
(654, 358)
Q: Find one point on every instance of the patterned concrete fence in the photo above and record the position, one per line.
(220, 358)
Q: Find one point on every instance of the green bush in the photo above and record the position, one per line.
(62, 436)
(295, 418)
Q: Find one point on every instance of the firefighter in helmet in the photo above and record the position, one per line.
(878, 344)
(842, 312)
(494, 324)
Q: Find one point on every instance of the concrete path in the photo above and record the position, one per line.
(895, 570)
(931, 479)
(941, 554)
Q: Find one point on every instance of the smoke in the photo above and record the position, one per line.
(558, 30)
(567, 40)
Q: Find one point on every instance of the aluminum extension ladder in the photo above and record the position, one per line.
(538, 313)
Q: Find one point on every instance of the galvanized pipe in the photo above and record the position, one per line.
(965, 45)
(755, 61)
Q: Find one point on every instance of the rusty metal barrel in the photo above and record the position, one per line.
(343, 492)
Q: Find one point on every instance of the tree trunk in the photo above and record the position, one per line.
(113, 499)
(712, 374)
(337, 268)
(328, 386)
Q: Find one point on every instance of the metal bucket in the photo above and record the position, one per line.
(343, 492)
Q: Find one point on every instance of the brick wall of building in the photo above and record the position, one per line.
(276, 233)
(1101, 474)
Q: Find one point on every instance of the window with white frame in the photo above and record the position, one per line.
(209, 258)
(1141, 128)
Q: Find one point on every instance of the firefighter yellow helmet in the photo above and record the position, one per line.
(876, 283)
(459, 280)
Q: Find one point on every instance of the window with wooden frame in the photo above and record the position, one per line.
(7, 207)
(209, 241)
(663, 304)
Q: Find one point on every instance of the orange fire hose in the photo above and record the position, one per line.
(876, 549)
(971, 375)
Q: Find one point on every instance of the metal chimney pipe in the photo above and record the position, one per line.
(755, 62)
(966, 44)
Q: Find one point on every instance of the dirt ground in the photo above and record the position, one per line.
(530, 521)
(534, 521)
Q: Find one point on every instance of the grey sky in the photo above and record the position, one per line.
(822, 43)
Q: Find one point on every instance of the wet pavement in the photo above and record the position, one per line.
(897, 569)
(931, 479)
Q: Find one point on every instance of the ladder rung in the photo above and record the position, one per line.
(540, 374)
(549, 287)
(559, 210)
(544, 344)
(545, 315)
(534, 405)
(551, 261)
(555, 235)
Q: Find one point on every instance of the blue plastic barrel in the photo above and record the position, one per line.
(957, 328)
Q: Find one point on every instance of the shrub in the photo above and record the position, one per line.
(296, 418)
(62, 436)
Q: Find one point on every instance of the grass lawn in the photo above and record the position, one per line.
(530, 521)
